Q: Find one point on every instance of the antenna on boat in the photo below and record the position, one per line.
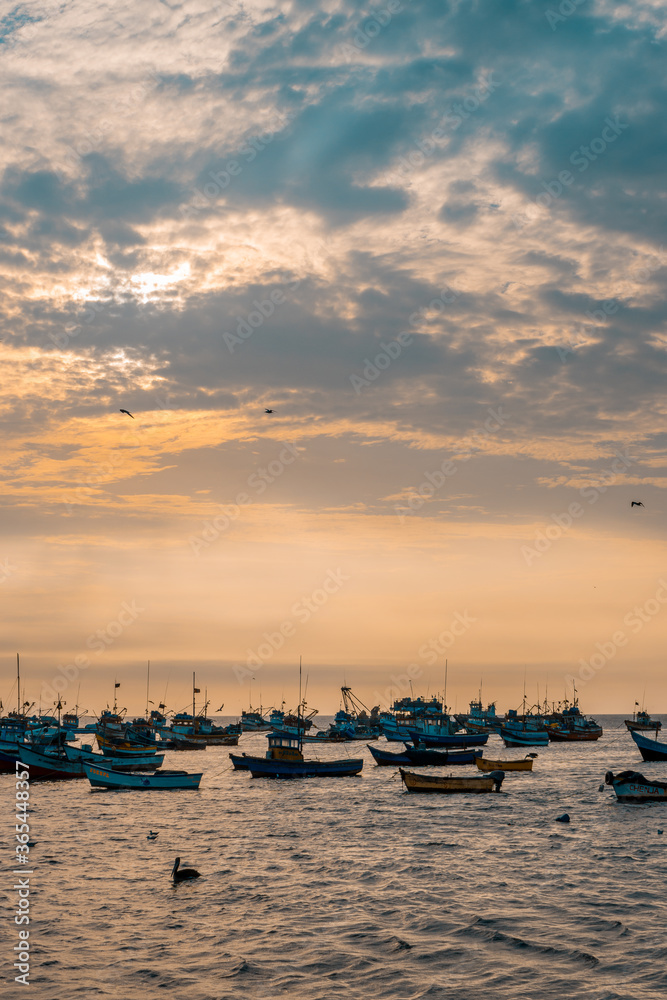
(18, 684)
(445, 698)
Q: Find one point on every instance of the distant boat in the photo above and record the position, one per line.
(642, 722)
(570, 726)
(284, 759)
(506, 765)
(101, 777)
(449, 785)
(516, 736)
(649, 749)
(631, 786)
(60, 766)
(423, 758)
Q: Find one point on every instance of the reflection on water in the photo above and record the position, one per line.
(325, 888)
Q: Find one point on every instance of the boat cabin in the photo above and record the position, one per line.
(282, 746)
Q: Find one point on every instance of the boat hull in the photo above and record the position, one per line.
(263, 767)
(449, 785)
(568, 736)
(650, 749)
(631, 786)
(504, 765)
(457, 742)
(385, 758)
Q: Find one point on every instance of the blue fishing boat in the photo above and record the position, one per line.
(650, 749)
(385, 758)
(423, 758)
(143, 762)
(284, 759)
(105, 777)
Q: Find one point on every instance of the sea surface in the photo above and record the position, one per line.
(322, 889)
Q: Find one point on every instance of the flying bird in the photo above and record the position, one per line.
(636, 503)
(128, 413)
(268, 411)
(184, 873)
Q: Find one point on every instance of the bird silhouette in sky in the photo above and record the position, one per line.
(636, 503)
(128, 413)
(268, 411)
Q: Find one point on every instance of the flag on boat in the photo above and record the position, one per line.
(197, 691)
(117, 684)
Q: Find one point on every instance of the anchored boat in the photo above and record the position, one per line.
(650, 749)
(506, 765)
(284, 759)
(642, 722)
(104, 777)
(631, 786)
(449, 785)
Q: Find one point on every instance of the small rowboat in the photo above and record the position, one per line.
(149, 762)
(506, 765)
(103, 777)
(449, 784)
(631, 786)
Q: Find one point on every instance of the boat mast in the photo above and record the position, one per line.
(194, 723)
(298, 714)
(18, 685)
(148, 677)
(445, 698)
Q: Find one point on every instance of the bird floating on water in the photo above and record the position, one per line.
(128, 413)
(636, 503)
(184, 873)
(152, 835)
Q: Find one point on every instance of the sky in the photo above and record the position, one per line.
(428, 236)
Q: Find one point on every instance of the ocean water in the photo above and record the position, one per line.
(326, 888)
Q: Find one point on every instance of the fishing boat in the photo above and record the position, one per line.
(354, 721)
(284, 759)
(642, 722)
(631, 786)
(479, 719)
(650, 749)
(483, 764)
(59, 765)
(408, 712)
(423, 758)
(105, 777)
(570, 726)
(449, 784)
(253, 721)
(525, 730)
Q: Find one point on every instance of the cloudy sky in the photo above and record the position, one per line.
(428, 236)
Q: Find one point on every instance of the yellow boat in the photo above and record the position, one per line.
(506, 765)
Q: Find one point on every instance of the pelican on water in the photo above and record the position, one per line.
(184, 873)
